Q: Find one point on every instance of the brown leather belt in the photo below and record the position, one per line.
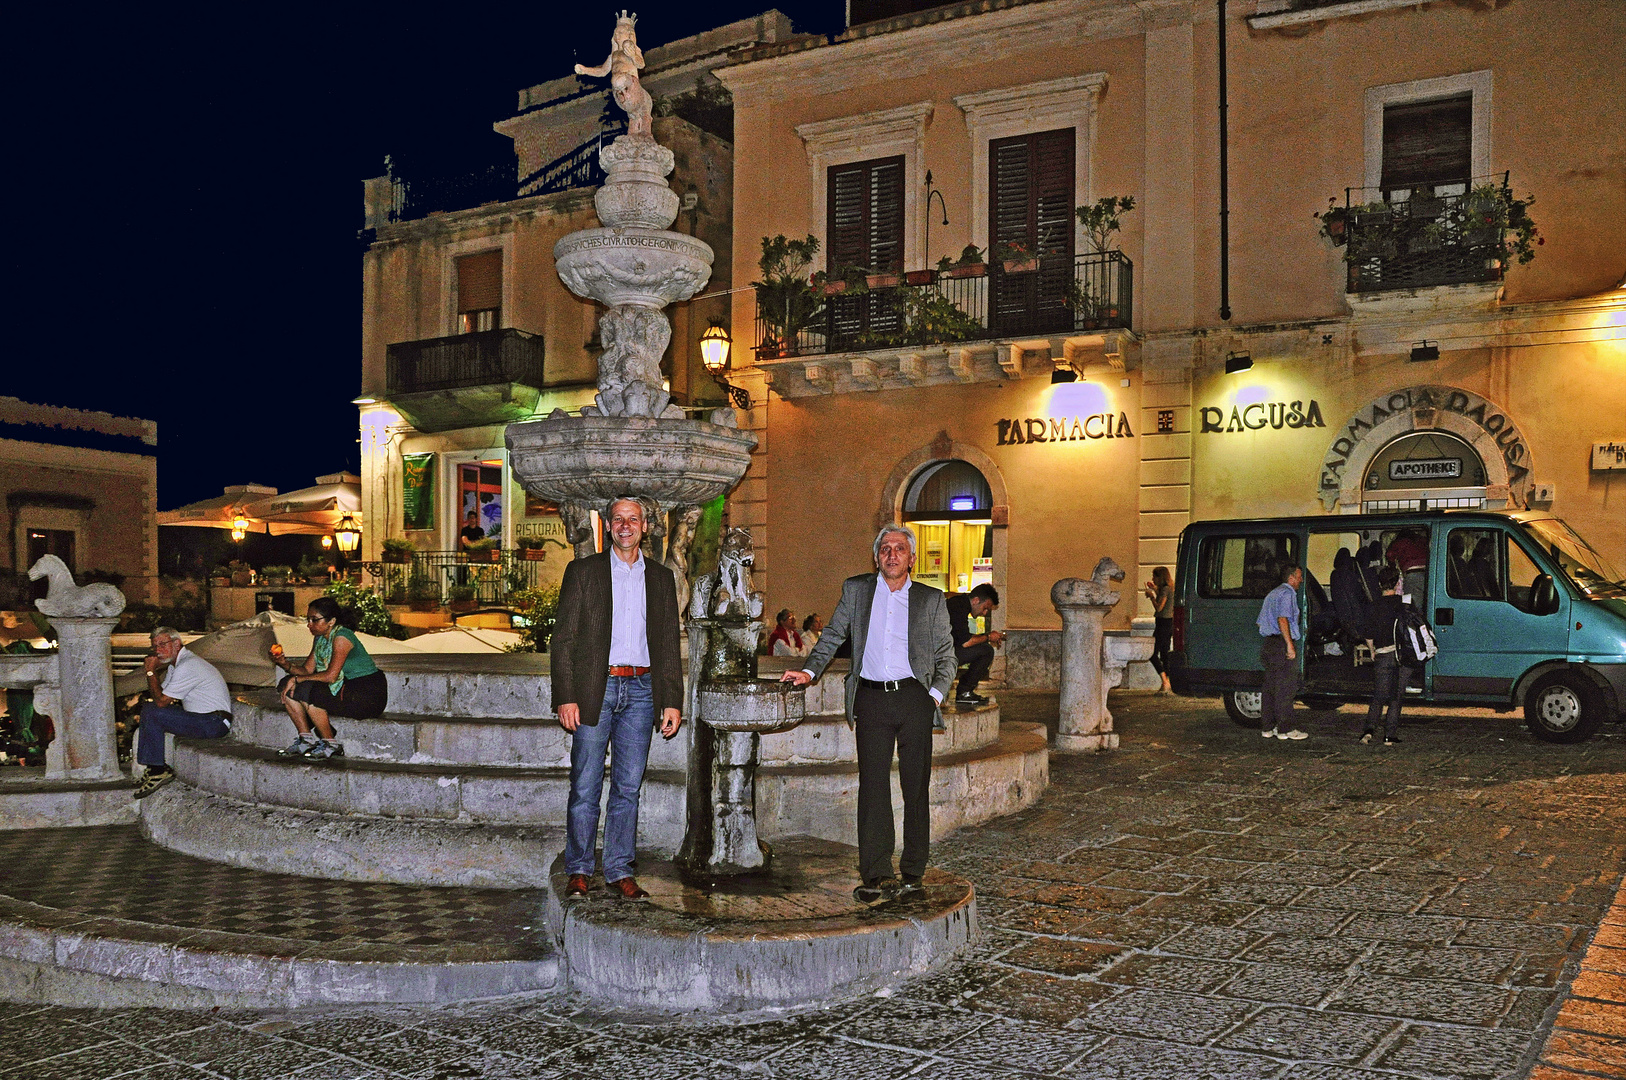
(628, 672)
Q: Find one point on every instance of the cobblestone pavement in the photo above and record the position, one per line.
(1200, 905)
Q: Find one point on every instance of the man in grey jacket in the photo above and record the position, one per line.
(903, 666)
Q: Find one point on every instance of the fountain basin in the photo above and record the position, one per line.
(592, 459)
(752, 705)
(645, 267)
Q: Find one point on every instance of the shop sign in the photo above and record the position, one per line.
(1425, 401)
(418, 491)
(1040, 429)
(1263, 414)
(1426, 469)
(1609, 456)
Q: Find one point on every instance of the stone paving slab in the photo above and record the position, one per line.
(1491, 860)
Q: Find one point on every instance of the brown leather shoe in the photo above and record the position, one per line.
(577, 889)
(627, 889)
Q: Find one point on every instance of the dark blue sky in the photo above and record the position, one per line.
(185, 190)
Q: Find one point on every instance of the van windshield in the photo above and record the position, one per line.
(1581, 563)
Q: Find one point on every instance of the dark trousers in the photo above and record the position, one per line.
(1162, 639)
(900, 719)
(1389, 681)
(1281, 685)
(977, 660)
(157, 719)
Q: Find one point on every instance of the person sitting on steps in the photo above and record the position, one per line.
(975, 651)
(192, 701)
(338, 678)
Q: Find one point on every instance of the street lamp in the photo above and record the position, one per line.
(239, 527)
(714, 345)
(348, 534)
(327, 543)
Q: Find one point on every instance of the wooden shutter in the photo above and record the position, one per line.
(1031, 203)
(866, 215)
(1427, 142)
(479, 282)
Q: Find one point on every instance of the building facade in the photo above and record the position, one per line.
(467, 328)
(82, 486)
(1060, 394)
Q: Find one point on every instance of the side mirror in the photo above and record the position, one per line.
(1543, 595)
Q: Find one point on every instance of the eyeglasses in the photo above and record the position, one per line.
(315, 618)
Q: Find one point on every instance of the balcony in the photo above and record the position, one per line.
(1441, 234)
(1054, 296)
(467, 380)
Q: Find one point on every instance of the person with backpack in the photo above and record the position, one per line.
(1385, 629)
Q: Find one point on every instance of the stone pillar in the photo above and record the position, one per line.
(85, 747)
(1083, 605)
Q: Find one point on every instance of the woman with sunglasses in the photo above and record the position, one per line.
(338, 678)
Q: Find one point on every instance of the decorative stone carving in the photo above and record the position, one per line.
(640, 196)
(1083, 605)
(622, 66)
(629, 371)
(86, 747)
(620, 266)
(96, 600)
(733, 594)
(680, 537)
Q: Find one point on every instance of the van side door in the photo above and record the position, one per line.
(1234, 572)
(1497, 613)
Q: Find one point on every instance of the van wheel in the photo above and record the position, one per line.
(1562, 708)
(1245, 707)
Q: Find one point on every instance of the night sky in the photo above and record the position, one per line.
(185, 193)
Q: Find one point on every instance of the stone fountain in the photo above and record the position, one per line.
(728, 925)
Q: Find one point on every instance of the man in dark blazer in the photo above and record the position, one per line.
(615, 668)
(903, 666)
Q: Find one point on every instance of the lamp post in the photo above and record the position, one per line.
(239, 527)
(714, 345)
(931, 193)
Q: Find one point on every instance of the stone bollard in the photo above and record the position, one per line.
(86, 746)
(1083, 605)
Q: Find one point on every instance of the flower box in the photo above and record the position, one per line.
(534, 554)
(463, 607)
(970, 271)
(881, 281)
(834, 288)
(920, 277)
(424, 605)
(1021, 266)
(396, 557)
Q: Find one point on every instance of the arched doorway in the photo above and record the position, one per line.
(950, 506)
(1426, 470)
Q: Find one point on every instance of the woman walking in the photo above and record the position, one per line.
(1160, 591)
(338, 678)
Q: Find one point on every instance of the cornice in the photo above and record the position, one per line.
(1282, 17)
(920, 50)
(904, 121)
(1010, 99)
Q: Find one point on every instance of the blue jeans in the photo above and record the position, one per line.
(625, 727)
(157, 719)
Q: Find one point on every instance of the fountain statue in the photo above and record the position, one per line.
(633, 440)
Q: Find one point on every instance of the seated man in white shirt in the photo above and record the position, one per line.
(192, 701)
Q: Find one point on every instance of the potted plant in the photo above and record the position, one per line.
(398, 594)
(1102, 220)
(532, 548)
(534, 614)
(277, 575)
(398, 550)
(423, 594)
(220, 577)
(1016, 258)
(485, 550)
(786, 300)
(313, 570)
(242, 574)
(968, 265)
(460, 598)
(920, 277)
(882, 279)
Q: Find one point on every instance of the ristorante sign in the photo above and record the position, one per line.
(1038, 429)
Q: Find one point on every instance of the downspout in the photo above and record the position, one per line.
(1224, 180)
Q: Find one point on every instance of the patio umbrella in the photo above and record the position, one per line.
(220, 511)
(314, 510)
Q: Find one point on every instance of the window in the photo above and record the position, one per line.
(1428, 144)
(1522, 573)
(1030, 216)
(866, 231)
(479, 292)
(1242, 567)
(479, 491)
(1487, 564)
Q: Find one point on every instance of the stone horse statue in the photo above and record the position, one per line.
(97, 600)
(728, 589)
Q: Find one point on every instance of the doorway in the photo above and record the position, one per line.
(949, 505)
(1424, 470)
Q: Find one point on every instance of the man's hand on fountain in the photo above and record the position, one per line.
(671, 720)
(570, 717)
(799, 677)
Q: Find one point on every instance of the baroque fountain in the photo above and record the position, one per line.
(730, 924)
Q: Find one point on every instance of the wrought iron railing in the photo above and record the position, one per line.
(577, 169)
(1433, 234)
(418, 198)
(481, 359)
(430, 576)
(1051, 295)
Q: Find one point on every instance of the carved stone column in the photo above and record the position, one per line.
(1083, 605)
(85, 747)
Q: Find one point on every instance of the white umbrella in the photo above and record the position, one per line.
(313, 510)
(465, 639)
(220, 511)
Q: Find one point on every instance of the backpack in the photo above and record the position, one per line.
(1414, 638)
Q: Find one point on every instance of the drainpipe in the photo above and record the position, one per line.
(1224, 180)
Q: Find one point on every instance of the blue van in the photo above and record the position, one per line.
(1525, 611)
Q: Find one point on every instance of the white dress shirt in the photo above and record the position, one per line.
(629, 619)
(886, 648)
(196, 684)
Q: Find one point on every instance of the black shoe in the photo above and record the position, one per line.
(912, 883)
(152, 781)
(969, 697)
(871, 892)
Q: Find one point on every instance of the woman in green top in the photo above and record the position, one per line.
(338, 678)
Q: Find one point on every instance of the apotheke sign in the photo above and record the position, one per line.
(1426, 469)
